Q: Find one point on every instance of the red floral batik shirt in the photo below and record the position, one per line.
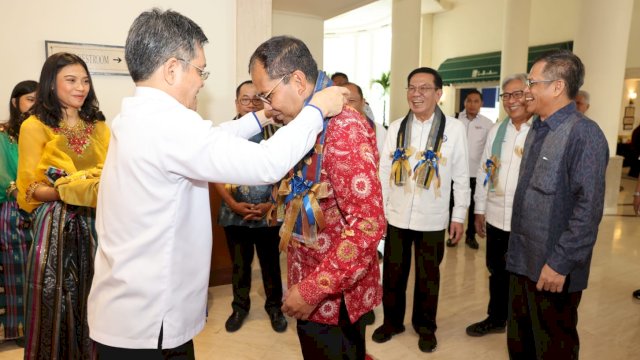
(345, 261)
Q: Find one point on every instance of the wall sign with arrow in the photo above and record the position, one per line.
(100, 59)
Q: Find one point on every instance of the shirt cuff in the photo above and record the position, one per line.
(317, 108)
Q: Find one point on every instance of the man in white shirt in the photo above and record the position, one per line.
(423, 156)
(149, 293)
(478, 127)
(496, 185)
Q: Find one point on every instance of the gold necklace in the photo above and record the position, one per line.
(77, 136)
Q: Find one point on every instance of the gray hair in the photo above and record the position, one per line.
(585, 95)
(520, 76)
(156, 36)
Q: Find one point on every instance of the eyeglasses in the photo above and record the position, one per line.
(530, 82)
(247, 101)
(204, 75)
(516, 95)
(267, 97)
(420, 89)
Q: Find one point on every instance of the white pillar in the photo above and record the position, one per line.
(601, 43)
(515, 39)
(405, 52)
(253, 27)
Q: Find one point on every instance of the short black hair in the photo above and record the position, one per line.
(474, 91)
(427, 70)
(357, 87)
(336, 74)
(282, 55)
(562, 64)
(241, 85)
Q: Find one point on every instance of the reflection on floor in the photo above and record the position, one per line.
(609, 322)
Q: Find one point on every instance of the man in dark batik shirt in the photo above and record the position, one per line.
(556, 212)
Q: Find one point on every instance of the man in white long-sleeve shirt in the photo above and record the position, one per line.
(478, 127)
(149, 293)
(496, 185)
(423, 155)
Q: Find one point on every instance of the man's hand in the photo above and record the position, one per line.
(455, 232)
(636, 204)
(294, 305)
(259, 211)
(330, 100)
(481, 225)
(244, 209)
(550, 280)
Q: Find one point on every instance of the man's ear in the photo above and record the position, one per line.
(299, 81)
(171, 70)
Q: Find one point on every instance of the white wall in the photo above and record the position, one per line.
(25, 25)
(309, 29)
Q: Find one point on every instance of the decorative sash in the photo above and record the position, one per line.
(492, 164)
(429, 160)
(298, 195)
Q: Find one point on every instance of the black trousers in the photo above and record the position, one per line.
(471, 229)
(241, 241)
(332, 342)
(542, 325)
(429, 251)
(182, 352)
(497, 246)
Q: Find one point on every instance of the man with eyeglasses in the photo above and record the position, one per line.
(424, 156)
(243, 215)
(478, 127)
(557, 208)
(331, 204)
(497, 181)
(148, 298)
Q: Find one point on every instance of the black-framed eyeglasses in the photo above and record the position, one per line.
(247, 101)
(204, 75)
(267, 97)
(530, 82)
(420, 89)
(516, 95)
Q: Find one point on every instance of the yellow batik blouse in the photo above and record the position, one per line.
(79, 151)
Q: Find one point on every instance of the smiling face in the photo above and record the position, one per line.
(286, 94)
(72, 86)
(540, 95)
(422, 95)
(515, 108)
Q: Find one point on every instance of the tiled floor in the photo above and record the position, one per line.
(609, 322)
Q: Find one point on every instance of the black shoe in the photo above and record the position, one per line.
(369, 318)
(428, 342)
(278, 321)
(485, 327)
(636, 294)
(385, 332)
(450, 243)
(234, 322)
(472, 243)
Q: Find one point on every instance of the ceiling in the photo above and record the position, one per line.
(324, 9)
(327, 9)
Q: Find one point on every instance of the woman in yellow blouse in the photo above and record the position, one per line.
(62, 147)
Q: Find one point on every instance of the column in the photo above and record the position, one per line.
(405, 52)
(515, 40)
(601, 43)
(253, 27)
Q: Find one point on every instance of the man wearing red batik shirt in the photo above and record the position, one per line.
(334, 216)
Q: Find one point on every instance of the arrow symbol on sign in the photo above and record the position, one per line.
(118, 60)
